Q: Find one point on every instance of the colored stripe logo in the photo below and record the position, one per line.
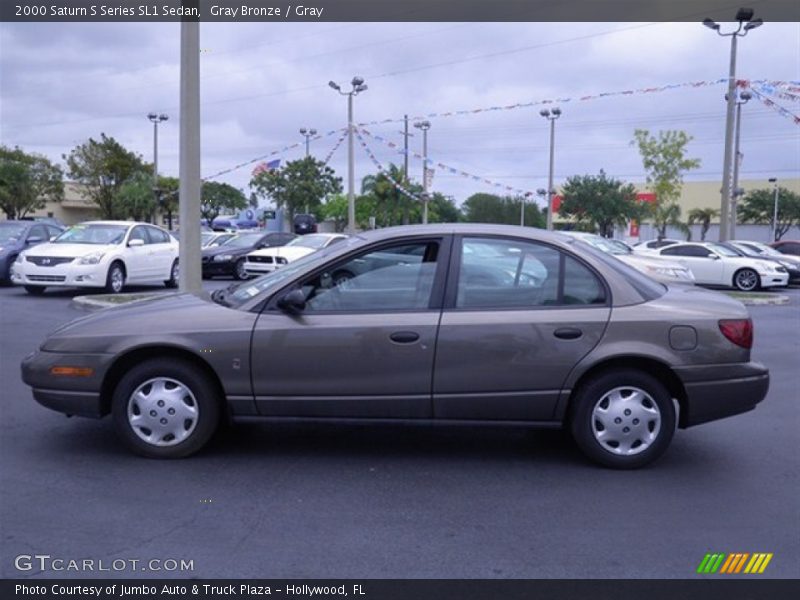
(734, 563)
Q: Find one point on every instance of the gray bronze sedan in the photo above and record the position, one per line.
(446, 324)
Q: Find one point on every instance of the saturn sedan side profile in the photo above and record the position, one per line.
(444, 324)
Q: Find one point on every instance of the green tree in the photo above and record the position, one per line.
(217, 198)
(27, 182)
(135, 197)
(168, 197)
(759, 207)
(489, 208)
(443, 209)
(392, 206)
(704, 217)
(335, 209)
(599, 202)
(103, 167)
(665, 163)
(299, 186)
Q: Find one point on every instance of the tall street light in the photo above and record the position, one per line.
(156, 119)
(744, 98)
(308, 134)
(358, 86)
(424, 126)
(746, 22)
(551, 115)
(775, 210)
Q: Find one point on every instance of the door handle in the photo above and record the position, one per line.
(404, 337)
(568, 333)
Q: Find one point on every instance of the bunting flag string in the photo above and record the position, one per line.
(447, 168)
(335, 147)
(649, 90)
(383, 170)
(784, 93)
(776, 107)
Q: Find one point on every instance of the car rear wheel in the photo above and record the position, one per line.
(115, 280)
(165, 408)
(745, 280)
(36, 290)
(174, 274)
(623, 418)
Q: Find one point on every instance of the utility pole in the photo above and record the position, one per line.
(406, 134)
(156, 119)
(775, 210)
(424, 126)
(308, 134)
(744, 98)
(551, 115)
(189, 174)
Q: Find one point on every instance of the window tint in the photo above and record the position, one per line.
(157, 236)
(53, 231)
(498, 273)
(39, 231)
(139, 233)
(381, 280)
(696, 251)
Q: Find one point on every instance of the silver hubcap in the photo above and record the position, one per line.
(240, 270)
(626, 421)
(116, 279)
(746, 280)
(162, 412)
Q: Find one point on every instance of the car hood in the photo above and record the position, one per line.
(226, 250)
(169, 319)
(69, 250)
(289, 252)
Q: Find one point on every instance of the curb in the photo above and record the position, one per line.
(98, 303)
(773, 300)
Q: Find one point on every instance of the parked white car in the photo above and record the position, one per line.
(714, 264)
(100, 254)
(267, 260)
(656, 267)
(653, 246)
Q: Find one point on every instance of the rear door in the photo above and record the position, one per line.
(363, 348)
(518, 316)
(162, 253)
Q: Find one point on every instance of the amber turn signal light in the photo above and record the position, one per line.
(72, 371)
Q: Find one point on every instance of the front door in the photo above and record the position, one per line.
(365, 342)
(518, 316)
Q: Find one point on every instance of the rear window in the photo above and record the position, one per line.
(648, 289)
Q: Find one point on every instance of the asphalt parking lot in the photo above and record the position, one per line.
(310, 501)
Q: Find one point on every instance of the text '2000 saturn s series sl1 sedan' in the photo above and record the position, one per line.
(435, 324)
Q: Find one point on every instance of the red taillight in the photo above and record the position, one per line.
(739, 331)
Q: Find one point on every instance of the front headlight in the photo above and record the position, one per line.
(223, 257)
(91, 259)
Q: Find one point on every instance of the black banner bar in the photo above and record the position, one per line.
(415, 589)
(230, 11)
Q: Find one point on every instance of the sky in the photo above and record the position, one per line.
(62, 83)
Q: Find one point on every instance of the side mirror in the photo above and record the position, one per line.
(34, 239)
(135, 243)
(293, 303)
(52, 237)
(714, 257)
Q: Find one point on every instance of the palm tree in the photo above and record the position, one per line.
(390, 202)
(668, 215)
(702, 216)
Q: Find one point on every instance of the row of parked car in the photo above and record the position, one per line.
(111, 254)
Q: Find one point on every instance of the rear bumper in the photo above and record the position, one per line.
(718, 391)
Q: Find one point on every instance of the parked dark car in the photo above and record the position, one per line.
(544, 330)
(304, 224)
(16, 236)
(787, 247)
(228, 259)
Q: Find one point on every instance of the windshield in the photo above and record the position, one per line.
(760, 248)
(310, 241)
(243, 241)
(93, 234)
(722, 250)
(250, 289)
(604, 245)
(10, 231)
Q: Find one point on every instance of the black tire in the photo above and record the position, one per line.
(115, 278)
(341, 276)
(172, 282)
(746, 280)
(623, 425)
(205, 402)
(36, 290)
(239, 272)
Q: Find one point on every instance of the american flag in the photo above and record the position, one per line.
(267, 166)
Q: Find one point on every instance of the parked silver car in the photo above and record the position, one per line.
(465, 324)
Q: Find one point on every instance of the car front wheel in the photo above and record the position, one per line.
(239, 271)
(165, 408)
(745, 280)
(623, 419)
(115, 280)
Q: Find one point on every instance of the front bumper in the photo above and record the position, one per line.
(63, 275)
(774, 280)
(718, 391)
(260, 268)
(67, 394)
(214, 269)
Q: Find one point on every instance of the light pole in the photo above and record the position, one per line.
(156, 119)
(746, 22)
(358, 86)
(551, 115)
(775, 210)
(744, 98)
(424, 126)
(308, 134)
